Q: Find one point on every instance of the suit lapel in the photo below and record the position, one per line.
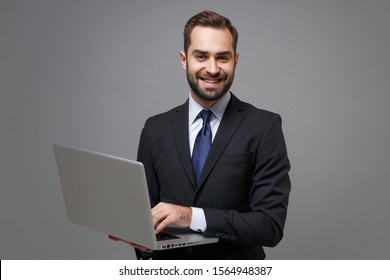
(180, 130)
(229, 124)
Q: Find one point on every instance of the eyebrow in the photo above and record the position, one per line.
(206, 52)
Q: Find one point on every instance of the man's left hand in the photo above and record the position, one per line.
(165, 213)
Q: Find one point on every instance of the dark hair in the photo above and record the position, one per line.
(208, 19)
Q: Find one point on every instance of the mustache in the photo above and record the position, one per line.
(216, 76)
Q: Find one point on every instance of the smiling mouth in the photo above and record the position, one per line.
(211, 81)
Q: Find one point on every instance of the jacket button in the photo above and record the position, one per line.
(190, 251)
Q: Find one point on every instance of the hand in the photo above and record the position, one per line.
(136, 246)
(165, 213)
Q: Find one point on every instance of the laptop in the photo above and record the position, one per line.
(110, 195)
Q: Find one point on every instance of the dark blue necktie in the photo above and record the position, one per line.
(202, 145)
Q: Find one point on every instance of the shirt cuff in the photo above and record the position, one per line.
(198, 222)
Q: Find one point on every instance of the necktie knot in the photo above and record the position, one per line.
(205, 115)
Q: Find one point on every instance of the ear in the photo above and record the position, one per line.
(183, 60)
(236, 59)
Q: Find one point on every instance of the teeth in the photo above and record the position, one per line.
(211, 81)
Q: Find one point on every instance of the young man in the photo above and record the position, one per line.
(216, 164)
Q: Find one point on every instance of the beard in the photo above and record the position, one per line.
(209, 94)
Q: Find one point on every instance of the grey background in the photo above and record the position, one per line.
(89, 73)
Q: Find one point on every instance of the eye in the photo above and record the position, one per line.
(200, 57)
(223, 58)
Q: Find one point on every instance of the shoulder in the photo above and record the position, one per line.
(253, 113)
(168, 116)
(169, 113)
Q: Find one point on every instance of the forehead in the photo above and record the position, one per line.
(211, 39)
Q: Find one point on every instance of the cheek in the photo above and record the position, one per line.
(196, 73)
(194, 67)
(228, 69)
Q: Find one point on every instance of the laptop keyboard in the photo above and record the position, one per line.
(165, 236)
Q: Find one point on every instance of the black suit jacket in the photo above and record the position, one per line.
(244, 186)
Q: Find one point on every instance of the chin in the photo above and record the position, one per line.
(209, 96)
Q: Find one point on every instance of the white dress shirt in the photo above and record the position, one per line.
(195, 123)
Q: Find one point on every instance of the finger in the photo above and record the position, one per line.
(139, 247)
(160, 204)
(162, 226)
(118, 239)
(161, 219)
(161, 214)
(158, 217)
(113, 238)
(159, 207)
(134, 245)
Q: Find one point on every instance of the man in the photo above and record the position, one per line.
(233, 181)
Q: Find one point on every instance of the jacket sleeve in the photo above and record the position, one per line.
(145, 156)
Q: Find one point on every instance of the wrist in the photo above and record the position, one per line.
(188, 216)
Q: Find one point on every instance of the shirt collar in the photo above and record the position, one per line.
(218, 108)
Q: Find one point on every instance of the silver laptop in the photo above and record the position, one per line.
(109, 194)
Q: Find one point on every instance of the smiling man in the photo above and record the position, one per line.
(216, 164)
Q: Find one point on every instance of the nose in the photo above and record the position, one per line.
(212, 67)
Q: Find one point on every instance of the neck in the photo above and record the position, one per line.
(207, 104)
